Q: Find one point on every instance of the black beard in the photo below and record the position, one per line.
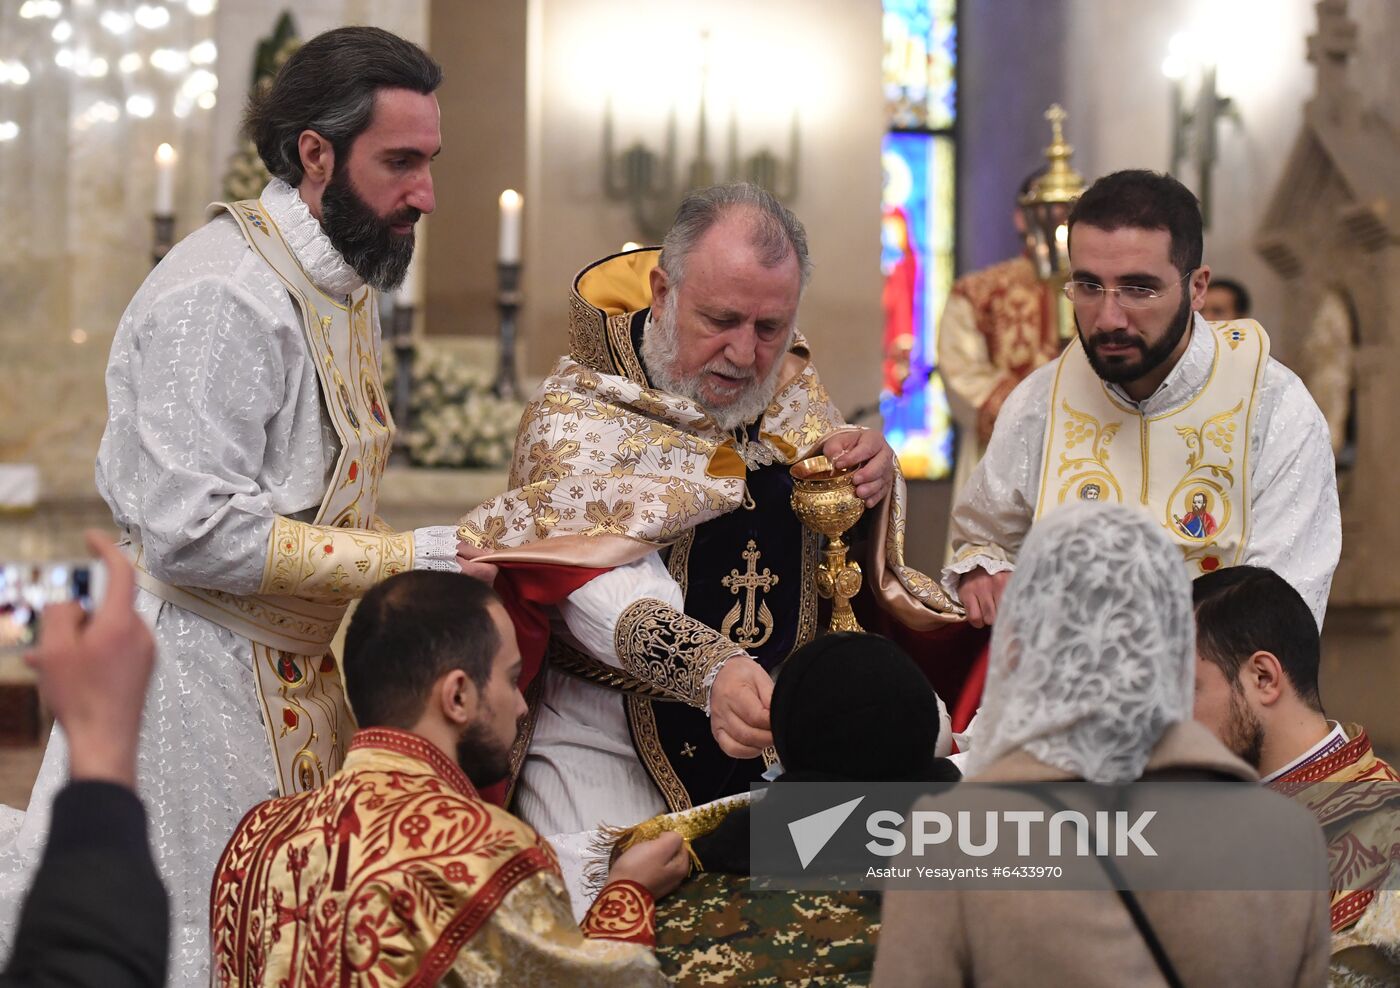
(1151, 358)
(365, 239)
(484, 761)
(1244, 733)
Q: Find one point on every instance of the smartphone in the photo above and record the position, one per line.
(27, 588)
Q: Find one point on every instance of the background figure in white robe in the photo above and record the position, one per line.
(1138, 285)
(218, 432)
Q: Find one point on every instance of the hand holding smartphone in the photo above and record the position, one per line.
(93, 668)
(27, 588)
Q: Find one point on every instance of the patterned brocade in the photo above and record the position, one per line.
(332, 565)
(397, 874)
(670, 650)
(1356, 799)
(624, 910)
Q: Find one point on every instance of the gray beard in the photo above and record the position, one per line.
(661, 353)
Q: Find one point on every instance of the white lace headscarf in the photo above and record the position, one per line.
(1093, 650)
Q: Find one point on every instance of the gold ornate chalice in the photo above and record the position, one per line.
(825, 501)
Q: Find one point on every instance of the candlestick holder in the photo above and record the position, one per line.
(164, 236)
(508, 298)
(401, 401)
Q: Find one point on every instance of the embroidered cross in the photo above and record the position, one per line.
(750, 582)
(688, 750)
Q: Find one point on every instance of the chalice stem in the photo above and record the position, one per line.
(844, 578)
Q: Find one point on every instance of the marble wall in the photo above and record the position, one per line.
(1119, 104)
(75, 217)
(819, 58)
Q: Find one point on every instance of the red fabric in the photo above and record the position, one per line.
(971, 696)
(528, 590)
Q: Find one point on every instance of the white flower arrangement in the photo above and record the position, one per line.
(455, 420)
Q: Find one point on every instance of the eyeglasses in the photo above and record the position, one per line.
(1129, 296)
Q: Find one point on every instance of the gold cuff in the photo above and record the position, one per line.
(670, 651)
(331, 565)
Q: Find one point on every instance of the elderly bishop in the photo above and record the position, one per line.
(653, 466)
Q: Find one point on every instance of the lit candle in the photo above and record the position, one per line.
(166, 159)
(411, 291)
(508, 252)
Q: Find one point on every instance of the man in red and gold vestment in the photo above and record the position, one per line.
(1256, 687)
(396, 872)
(998, 325)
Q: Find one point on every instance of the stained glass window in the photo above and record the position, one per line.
(918, 226)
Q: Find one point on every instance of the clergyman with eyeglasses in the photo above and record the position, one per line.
(1154, 406)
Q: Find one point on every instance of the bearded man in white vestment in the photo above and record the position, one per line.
(1154, 406)
(247, 432)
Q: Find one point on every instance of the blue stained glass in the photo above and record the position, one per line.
(915, 258)
(917, 226)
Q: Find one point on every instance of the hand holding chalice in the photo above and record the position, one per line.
(825, 501)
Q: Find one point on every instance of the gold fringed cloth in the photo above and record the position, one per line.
(396, 874)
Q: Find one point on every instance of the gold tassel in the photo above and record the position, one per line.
(608, 842)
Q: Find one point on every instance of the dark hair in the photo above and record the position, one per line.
(1144, 199)
(1241, 296)
(409, 632)
(1246, 609)
(329, 85)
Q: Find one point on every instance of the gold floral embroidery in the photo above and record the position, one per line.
(564, 656)
(1090, 476)
(333, 565)
(586, 335)
(487, 535)
(563, 403)
(670, 650)
(551, 462)
(607, 521)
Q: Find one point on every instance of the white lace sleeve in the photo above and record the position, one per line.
(435, 547)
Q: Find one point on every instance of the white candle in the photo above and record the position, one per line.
(411, 291)
(508, 251)
(166, 159)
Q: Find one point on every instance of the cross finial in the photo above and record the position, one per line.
(1333, 44)
(1056, 115)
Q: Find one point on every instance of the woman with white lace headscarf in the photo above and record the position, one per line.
(1093, 652)
(1091, 677)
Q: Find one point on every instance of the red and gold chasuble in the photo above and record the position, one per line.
(1015, 314)
(1356, 799)
(393, 875)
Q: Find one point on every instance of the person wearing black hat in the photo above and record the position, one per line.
(882, 725)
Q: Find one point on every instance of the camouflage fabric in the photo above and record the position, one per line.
(714, 930)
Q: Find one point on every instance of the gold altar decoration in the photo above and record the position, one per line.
(1045, 208)
(825, 501)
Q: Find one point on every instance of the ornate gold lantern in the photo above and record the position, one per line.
(1045, 208)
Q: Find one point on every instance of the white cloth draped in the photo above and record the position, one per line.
(1093, 651)
(1295, 522)
(215, 424)
(582, 770)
